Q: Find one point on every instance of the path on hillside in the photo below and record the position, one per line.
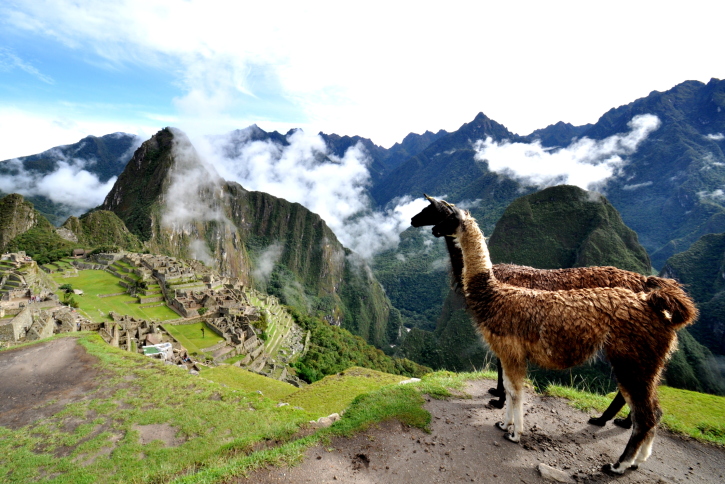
(464, 446)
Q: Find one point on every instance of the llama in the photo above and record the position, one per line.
(549, 280)
(564, 328)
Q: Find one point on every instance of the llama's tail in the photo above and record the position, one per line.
(669, 298)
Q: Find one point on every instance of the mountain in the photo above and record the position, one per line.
(17, 216)
(670, 191)
(99, 228)
(565, 226)
(22, 228)
(702, 269)
(104, 157)
(178, 205)
(448, 166)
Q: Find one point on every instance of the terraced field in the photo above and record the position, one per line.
(97, 284)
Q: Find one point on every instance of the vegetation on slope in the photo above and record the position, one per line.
(333, 349)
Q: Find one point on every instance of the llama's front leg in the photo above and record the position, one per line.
(514, 419)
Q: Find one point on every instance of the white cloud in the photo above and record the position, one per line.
(716, 136)
(322, 62)
(304, 171)
(69, 184)
(266, 261)
(637, 186)
(9, 61)
(585, 163)
(717, 195)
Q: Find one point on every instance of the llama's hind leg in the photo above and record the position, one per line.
(645, 417)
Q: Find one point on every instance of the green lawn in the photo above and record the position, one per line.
(94, 283)
(190, 336)
(334, 393)
(241, 379)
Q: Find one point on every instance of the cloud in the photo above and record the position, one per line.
(716, 136)
(585, 163)
(637, 185)
(10, 61)
(70, 184)
(717, 195)
(195, 189)
(306, 172)
(267, 260)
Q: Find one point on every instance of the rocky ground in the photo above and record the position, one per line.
(463, 445)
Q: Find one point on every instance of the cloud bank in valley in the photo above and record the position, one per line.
(70, 184)
(586, 163)
(305, 171)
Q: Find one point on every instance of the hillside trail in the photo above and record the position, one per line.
(464, 446)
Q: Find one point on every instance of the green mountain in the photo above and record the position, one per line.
(105, 157)
(565, 226)
(17, 216)
(702, 269)
(177, 205)
(99, 228)
(22, 228)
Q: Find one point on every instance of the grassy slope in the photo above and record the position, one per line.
(221, 425)
(698, 415)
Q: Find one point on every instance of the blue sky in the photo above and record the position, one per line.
(374, 69)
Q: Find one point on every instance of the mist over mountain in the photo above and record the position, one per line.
(71, 179)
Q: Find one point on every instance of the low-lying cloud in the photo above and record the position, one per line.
(70, 184)
(586, 163)
(307, 172)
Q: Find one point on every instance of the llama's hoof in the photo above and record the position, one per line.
(511, 437)
(501, 426)
(634, 467)
(598, 421)
(497, 403)
(612, 469)
(625, 423)
(496, 392)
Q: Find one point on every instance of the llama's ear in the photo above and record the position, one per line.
(430, 199)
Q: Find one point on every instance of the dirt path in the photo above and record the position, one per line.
(464, 446)
(59, 371)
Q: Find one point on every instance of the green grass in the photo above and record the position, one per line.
(94, 283)
(699, 415)
(215, 423)
(334, 393)
(190, 336)
(241, 379)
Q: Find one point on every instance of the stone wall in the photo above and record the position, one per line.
(17, 327)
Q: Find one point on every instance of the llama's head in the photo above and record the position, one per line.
(450, 225)
(433, 214)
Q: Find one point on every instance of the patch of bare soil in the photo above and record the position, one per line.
(464, 446)
(163, 432)
(39, 380)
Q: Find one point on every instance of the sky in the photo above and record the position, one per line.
(375, 69)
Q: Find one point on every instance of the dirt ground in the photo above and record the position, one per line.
(39, 380)
(463, 446)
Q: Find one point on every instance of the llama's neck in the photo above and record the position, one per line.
(476, 259)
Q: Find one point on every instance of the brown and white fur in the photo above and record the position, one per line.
(561, 329)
